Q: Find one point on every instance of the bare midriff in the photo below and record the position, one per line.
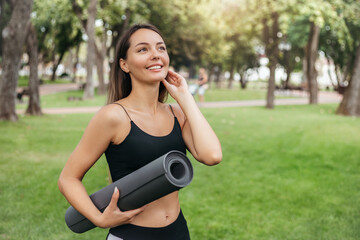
(160, 212)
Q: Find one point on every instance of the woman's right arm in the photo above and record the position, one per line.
(96, 138)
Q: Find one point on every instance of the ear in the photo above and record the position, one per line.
(123, 65)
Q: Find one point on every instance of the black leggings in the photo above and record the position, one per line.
(177, 230)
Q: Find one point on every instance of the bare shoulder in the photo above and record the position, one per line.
(111, 115)
(112, 121)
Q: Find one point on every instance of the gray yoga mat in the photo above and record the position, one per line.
(160, 177)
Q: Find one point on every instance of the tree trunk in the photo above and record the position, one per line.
(116, 38)
(350, 105)
(304, 71)
(56, 65)
(329, 73)
(217, 77)
(271, 41)
(75, 63)
(211, 74)
(13, 42)
(338, 74)
(243, 80)
(231, 77)
(270, 96)
(311, 56)
(34, 96)
(288, 77)
(90, 30)
(100, 73)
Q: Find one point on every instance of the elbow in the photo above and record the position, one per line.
(61, 184)
(214, 158)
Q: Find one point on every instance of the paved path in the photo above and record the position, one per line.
(302, 99)
(55, 88)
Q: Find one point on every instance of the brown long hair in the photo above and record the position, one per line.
(120, 81)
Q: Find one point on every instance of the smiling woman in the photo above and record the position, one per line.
(147, 59)
(135, 128)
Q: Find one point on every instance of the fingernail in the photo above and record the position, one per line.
(115, 190)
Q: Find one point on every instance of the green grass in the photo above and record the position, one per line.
(212, 95)
(235, 94)
(288, 173)
(23, 81)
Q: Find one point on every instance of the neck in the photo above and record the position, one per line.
(144, 98)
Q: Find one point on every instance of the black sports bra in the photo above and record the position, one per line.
(139, 148)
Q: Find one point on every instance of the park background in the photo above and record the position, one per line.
(283, 98)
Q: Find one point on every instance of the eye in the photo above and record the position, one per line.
(142, 49)
(162, 48)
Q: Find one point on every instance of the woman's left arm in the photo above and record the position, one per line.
(198, 135)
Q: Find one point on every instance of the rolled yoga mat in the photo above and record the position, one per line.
(158, 178)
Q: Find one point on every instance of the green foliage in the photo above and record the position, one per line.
(290, 173)
(227, 34)
(57, 27)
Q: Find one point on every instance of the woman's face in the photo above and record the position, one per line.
(147, 59)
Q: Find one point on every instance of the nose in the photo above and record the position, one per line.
(155, 54)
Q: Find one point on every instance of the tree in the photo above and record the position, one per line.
(272, 15)
(318, 12)
(58, 31)
(241, 40)
(5, 14)
(90, 60)
(32, 49)
(14, 35)
(350, 104)
(311, 53)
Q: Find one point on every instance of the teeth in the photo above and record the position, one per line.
(154, 67)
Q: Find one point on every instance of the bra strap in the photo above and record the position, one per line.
(172, 110)
(124, 110)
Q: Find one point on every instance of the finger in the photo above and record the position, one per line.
(114, 198)
(166, 83)
(170, 78)
(173, 74)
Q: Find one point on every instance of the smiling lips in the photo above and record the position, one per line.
(154, 67)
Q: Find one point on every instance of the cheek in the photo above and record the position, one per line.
(166, 60)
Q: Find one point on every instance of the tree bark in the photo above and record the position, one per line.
(243, 80)
(75, 64)
(217, 79)
(100, 58)
(231, 77)
(311, 56)
(329, 73)
(304, 70)
(13, 41)
(100, 73)
(271, 41)
(270, 97)
(350, 104)
(34, 96)
(117, 32)
(56, 65)
(90, 30)
(288, 77)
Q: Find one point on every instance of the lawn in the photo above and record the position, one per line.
(288, 173)
(60, 99)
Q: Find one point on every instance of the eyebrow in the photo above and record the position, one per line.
(145, 43)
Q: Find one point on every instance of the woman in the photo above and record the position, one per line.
(135, 128)
(202, 82)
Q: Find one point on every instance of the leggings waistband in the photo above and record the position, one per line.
(177, 230)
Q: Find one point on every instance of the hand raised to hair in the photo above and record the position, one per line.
(113, 216)
(175, 84)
